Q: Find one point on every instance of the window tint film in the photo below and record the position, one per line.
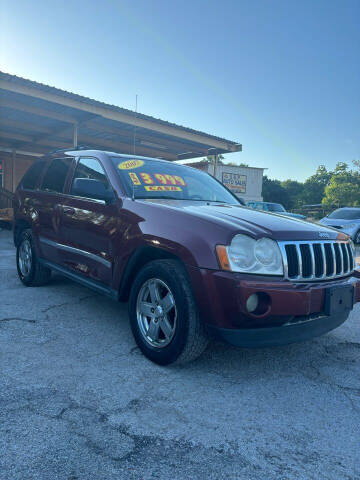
(55, 176)
(92, 169)
(148, 178)
(31, 177)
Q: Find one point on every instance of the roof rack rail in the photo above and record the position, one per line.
(79, 147)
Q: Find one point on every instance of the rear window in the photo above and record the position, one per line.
(31, 177)
(346, 214)
(56, 174)
(275, 207)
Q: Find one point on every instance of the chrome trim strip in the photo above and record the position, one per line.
(67, 248)
(299, 256)
(341, 260)
(347, 258)
(322, 246)
(334, 260)
(313, 269)
(311, 243)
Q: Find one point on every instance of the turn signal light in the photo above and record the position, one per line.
(223, 257)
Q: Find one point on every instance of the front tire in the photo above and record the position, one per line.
(30, 271)
(163, 314)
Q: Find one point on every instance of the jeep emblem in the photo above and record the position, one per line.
(324, 235)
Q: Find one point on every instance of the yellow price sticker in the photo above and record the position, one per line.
(130, 164)
(162, 188)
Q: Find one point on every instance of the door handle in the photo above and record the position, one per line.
(69, 210)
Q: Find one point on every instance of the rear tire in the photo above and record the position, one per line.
(185, 336)
(30, 271)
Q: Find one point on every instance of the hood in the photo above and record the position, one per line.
(249, 221)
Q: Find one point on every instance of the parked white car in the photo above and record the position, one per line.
(345, 219)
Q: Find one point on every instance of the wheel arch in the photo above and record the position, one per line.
(19, 226)
(139, 258)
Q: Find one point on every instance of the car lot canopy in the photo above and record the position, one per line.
(36, 118)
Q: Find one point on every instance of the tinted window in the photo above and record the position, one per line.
(346, 214)
(149, 178)
(275, 207)
(90, 168)
(31, 177)
(55, 176)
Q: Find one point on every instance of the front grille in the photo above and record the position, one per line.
(323, 260)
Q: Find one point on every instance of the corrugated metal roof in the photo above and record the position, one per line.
(89, 101)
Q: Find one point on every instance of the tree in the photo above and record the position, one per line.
(295, 190)
(273, 191)
(344, 187)
(314, 186)
(211, 159)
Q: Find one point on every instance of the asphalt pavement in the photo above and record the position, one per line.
(78, 401)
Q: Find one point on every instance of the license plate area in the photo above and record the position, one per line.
(339, 299)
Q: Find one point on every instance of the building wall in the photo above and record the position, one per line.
(14, 171)
(245, 182)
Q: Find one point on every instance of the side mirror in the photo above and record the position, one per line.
(91, 188)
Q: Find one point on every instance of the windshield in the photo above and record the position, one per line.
(276, 207)
(346, 214)
(147, 178)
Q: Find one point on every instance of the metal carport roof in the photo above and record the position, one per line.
(36, 118)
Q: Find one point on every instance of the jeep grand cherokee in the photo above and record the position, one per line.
(191, 260)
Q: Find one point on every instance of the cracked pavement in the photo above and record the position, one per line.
(79, 402)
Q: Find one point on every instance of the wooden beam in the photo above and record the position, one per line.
(106, 112)
(5, 144)
(171, 143)
(42, 112)
(61, 142)
(29, 127)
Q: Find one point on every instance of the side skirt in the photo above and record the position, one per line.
(87, 282)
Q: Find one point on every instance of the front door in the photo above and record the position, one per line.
(89, 227)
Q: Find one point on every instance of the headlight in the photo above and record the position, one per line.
(247, 255)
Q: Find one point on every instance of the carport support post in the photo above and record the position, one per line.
(13, 170)
(215, 164)
(75, 136)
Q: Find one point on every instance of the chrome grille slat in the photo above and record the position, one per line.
(324, 259)
(299, 256)
(312, 255)
(334, 259)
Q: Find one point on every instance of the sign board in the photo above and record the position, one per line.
(234, 182)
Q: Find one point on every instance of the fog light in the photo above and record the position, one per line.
(252, 302)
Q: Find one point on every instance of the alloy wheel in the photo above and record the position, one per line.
(25, 258)
(156, 313)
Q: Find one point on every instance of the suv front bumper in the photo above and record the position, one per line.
(305, 329)
(297, 311)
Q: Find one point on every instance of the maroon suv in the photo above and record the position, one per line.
(191, 260)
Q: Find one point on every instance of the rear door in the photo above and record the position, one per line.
(47, 203)
(89, 227)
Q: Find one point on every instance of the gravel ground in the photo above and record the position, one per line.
(79, 402)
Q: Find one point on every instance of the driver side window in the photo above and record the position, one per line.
(89, 168)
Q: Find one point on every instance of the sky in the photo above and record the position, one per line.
(280, 77)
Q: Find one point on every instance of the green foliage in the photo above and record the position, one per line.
(344, 186)
(331, 189)
(273, 191)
